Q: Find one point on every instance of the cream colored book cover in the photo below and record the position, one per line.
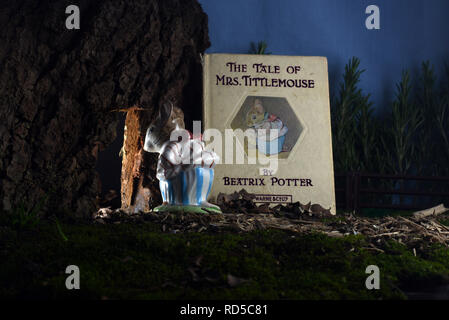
(272, 129)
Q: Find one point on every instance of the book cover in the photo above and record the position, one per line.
(268, 118)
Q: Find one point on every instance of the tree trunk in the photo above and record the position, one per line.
(59, 89)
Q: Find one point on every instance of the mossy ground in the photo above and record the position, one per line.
(139, 261)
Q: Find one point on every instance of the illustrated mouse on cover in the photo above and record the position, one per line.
(275, 129)
(185, 167)
(258, 118)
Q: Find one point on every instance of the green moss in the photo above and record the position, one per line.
(139, 261)
(375, 212)
(444, 220)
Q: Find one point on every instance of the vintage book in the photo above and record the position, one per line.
(271, 116)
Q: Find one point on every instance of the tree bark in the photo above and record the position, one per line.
(59, 89)
(139, 188)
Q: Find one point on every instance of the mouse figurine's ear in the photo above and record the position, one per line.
(165, 112)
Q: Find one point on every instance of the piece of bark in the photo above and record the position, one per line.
(139, 186)
(430, 212)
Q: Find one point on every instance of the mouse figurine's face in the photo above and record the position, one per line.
(256, 114)
(155, 138)
(158, 133)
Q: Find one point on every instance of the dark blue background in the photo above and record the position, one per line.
(411, 31)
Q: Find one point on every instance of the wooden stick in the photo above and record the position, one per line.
(429, 212)
(374, 249)
(385, 234)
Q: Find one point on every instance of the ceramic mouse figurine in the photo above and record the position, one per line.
(185, 168)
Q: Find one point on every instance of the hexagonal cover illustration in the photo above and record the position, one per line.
(272, 125)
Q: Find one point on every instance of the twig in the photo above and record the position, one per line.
(432, 211)
(385, 234)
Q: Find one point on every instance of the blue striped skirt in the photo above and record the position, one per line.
(190, 187)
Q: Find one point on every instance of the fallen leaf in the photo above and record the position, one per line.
(195, 276)
(198, 261)
(234, 281)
